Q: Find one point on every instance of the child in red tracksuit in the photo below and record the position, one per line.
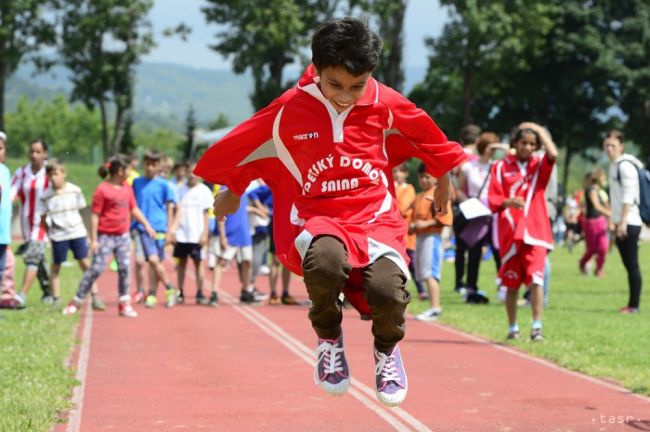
(517, 187)
(322, 148)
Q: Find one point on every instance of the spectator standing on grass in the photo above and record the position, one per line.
(191, 234)
(517, 192)
(625, 220)
(597, 215)
(59, 208)
(113, 206)
(27, 185)
(427, 226)
(156, 200)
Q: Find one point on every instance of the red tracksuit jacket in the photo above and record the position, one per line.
(330, 172)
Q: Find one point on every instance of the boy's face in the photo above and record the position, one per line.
(613, 148)
(191, 178)
(37, 154)
(151, 168)
(399, 175)
(342, 88)
(57, 177)
(525, 147)
(181, 172)
(3, 151)
(427, 181)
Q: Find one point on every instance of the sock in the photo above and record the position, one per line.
(537, 324)
(513, 328)
(170, 286)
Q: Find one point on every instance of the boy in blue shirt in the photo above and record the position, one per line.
(156, 200)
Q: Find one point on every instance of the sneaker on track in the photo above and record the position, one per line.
(259, 295)
(170, 297)
(289, 300)
(200, 298)
(274, 299)
(98, 304)
(390, 377)
(247, 297)
(429, 315)
(138, 297)
(126, 310)
(151, 301)
(331, 372)
(214, 299)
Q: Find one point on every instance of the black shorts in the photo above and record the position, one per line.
(192, 250)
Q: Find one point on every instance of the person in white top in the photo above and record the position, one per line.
(625, 219)
(27, 185)
(191, 233)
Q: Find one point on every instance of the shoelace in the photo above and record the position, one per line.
(387, 368)
(329, 352)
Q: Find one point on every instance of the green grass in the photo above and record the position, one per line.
(584, 330)
(34, 345)
(83, 175)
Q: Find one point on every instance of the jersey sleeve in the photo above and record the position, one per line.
(545, 171)
(98, 201)
(412, 133)
(496, 193)
(233, 161)
(16, 180)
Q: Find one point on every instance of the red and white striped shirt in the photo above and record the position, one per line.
(28, 187)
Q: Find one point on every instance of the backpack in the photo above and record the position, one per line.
(644, 190)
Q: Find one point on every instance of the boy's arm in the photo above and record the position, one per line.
(137, 215)
(203, 240)
(169, 237)
(238, 158)
(496, 194)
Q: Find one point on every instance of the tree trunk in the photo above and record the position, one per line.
(567, 165)
(102, 109)
(118, 130)
(394, 33)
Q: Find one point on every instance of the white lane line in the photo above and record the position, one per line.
(74, 422)
(540, 361)
(358, 388)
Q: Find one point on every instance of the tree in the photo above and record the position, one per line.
(102, 42)
(127, 144)
(265, 38)
(220, 122)
(190, 126)
(23, 30)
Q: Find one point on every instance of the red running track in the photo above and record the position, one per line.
(243, 368)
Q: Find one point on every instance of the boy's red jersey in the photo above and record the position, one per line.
(330, 172)
(510, 179)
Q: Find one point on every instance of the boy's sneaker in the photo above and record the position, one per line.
(11, 303)
(259, 295)
(126, 310)
(286, 299)
(200, 298)
(513, 335)
(170, 297)
(274, 299)
(248, 297)
(429, 315)
(47, 299)
(536, 335)
(138, 296)
(331, 372)
(214, 300)
(628, 310)
(390, 377)
(151, 301)
(98, 304)
(72, 308)
(180, 297)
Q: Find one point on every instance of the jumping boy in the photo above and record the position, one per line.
(320, 148)
(517, 193)
(156, 200)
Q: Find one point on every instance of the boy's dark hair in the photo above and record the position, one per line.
(152, 156)
(346, 42)
(422, 168)
(484, 140)
(519, 132)
(115, 163)
(181, 164)
(617, 134)
(469, 134)
(39, 141)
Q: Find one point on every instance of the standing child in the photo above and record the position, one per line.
(427, 227)
(597, 215)
(517, 191)
(321, 149)
(27, 185)
(112, 208)
(59, 208)
(157, 200)
(191, 233)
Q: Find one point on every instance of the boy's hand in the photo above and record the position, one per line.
(170, 238)
(516, 202)
(150, 231)
(621, 230)
(442, 195)
(203, 240)
(223, 243)
(422, 224)
(94, 247)
(225, 203)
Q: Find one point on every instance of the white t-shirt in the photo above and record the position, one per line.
(194, 203)
(626, 191)
(62, 209)
(476, 172)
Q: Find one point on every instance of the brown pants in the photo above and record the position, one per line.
(326, 270)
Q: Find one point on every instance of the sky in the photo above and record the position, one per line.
(423, 18)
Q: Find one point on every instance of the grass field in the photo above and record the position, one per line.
(582, 325)
(34, 345)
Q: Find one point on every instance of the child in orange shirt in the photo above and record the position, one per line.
(427, 227)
